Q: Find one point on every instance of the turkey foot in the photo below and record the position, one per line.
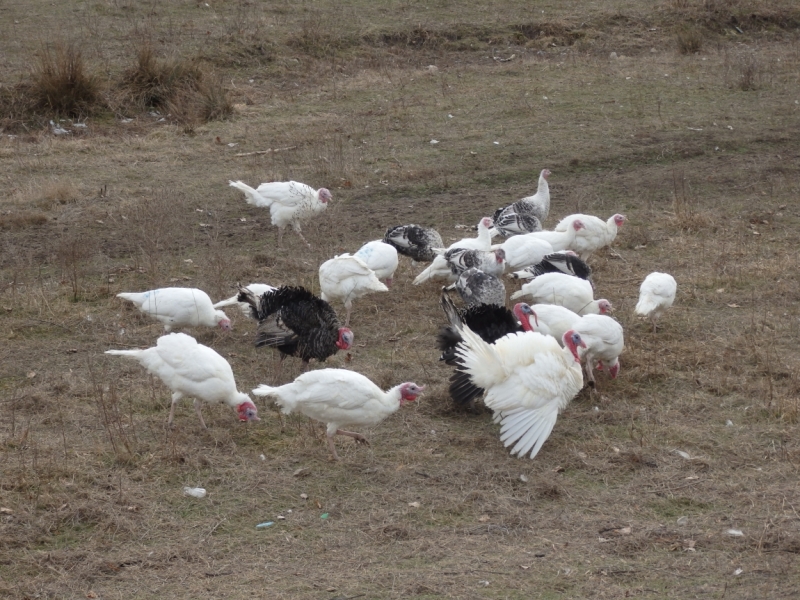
(360, 439)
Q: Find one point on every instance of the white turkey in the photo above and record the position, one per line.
(340, 398)
(557, 262)
(345, 278)
(554, 320)
(297, 323)
(476, 287)
(595, 233)
(178, 307)
(439, 266)
(529, 379)
(571, 292)
(193, 370)
(656, 295)
(422, 244)
(289, 202)
(526, 215)
(259, 289)
(604, 343)
(523, 251)
(559, 240)
(381, 258)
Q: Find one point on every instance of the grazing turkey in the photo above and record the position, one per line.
(559, 240)
(604, 343)
(529, 379)
(422, 244)
(476, 287)
(340, 398)
(558, 262)
(656, 295)
(345, 278)
(595, 233)
(297, 323)
(289, 202)
(179, 307)
(571, 292)
(439, 266)
(381, 258)
(259, 289)
(191, 369)
(523, 251)
(526, 215)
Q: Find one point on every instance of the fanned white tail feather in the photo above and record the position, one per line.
(251, 195)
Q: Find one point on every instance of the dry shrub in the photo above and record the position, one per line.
(689, 39)
(314, 38)
(176, 85)
(62, 83)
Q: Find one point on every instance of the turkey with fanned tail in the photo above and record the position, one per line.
(529, 379)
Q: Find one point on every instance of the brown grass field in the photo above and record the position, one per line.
(690, 128)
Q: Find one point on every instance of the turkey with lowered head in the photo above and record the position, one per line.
(179, 307)
(340, 398)
(191, 369)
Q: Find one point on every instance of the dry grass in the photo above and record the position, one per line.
(91, 479)
(62, 85)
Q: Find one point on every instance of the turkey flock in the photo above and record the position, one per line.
(526, 361)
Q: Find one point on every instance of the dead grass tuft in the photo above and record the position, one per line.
(689, 39)
(22, 219)
(177, 86)
(61, 83)
(62, 191)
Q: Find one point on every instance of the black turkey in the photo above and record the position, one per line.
(297, 323)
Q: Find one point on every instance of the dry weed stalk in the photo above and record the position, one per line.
(123, 444)
(72, 254)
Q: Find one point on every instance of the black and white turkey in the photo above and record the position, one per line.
(476, 287)
(526, 215)
(492, 262)
(419, 243)
(440, 268)
(557, 262)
